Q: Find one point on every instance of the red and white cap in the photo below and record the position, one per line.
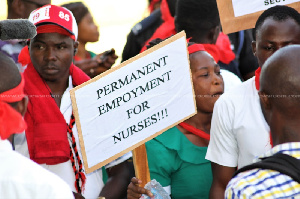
(52, 14)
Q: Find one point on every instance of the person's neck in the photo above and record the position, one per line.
(81, 50)
(58, 88)
(201, 121)
(11, 15)
(285, 129)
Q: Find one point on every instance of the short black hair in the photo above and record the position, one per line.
(277, 13)
(196, 17)
(9, 73)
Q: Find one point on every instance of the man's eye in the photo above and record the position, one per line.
(40, 47)
(61, 47)
(269, 48)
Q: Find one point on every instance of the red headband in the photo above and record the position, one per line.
(11, 121)
(195, 48)
(213, 51)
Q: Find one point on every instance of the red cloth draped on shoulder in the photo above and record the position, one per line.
(224, 46)
(47, 129)
(167, 28)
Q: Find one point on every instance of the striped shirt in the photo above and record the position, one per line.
(263, 183)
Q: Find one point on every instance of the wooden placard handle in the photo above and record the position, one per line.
(140, 162)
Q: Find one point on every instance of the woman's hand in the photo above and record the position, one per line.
(107, 58)
(134, 191)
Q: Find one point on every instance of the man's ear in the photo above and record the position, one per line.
(265, 104)
(253, 44)
(264, 100)
(22, 106)
(214, 34)
(76, 43)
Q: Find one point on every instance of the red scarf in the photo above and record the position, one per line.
(167, 28)
(257, 75)
(47, 130)
(194, 130)
(11, 121)
(225, 52)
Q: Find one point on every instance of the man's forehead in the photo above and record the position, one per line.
(270, 22)
(42, 2)
(53, 38)
(286, 28)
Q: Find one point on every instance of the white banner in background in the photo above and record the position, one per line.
(244, 7)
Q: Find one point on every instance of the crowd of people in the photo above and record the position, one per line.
(250, 112)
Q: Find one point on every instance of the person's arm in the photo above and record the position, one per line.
(221, 177)
(98, 64)
(223, 148)
(134, 191)
(118, 180)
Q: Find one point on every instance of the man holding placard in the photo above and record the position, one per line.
(239, 131)
(51, 135)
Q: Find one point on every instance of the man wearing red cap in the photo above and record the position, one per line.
(52, 136)
(20, 177)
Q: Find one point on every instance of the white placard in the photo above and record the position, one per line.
(134, 102)
(244, 7)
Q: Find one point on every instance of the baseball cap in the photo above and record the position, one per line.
(52, 14)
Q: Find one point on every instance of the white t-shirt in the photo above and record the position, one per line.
(239, 131)
(22, 178)
(230, 80)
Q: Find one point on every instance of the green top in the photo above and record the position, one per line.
(174, 160)
(92, 54)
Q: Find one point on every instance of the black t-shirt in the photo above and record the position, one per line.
(140, 33)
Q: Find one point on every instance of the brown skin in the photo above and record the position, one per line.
(274, 35)
(208, 86)
(88, 32)
(52, 55)
(271, 36)
(282, 113)
(22, 9)
(21, 107)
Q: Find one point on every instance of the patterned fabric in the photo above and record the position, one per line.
(262, 183)
(79, 173)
